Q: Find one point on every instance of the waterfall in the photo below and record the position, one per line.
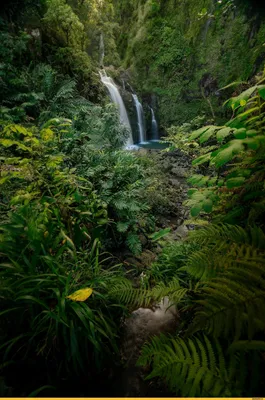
(154, 126)
(117, 99)
(101, 50)
(140, 118)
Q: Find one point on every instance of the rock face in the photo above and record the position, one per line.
(229, 44)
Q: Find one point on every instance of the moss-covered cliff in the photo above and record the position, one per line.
(183, 51)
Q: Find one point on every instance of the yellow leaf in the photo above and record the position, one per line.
(243, 103)
(81, 295)
(47, 134)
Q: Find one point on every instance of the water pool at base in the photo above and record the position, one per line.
(154, 144)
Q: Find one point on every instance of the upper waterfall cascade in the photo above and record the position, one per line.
(140, 118)
(117, 99)
(114, 91)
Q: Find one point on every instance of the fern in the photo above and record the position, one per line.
(190, 367)
(133, 242)
(234, 302)
(127, 294)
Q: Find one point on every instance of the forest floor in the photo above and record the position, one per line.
(128, 380)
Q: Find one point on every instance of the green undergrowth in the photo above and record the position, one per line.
(215, 277)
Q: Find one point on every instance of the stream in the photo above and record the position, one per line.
(128, 380)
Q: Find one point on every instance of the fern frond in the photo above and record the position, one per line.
(173, 291)
(218, 232)
(202, 264)
(190, 367)
(234, 302)
(127, 294)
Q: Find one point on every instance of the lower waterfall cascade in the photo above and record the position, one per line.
(140, 119)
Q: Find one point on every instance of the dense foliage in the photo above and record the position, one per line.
(221, 342)
(184, 51)
(78, 211)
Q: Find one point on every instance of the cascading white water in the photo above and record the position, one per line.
(117, 99)
(140, 118)
(154, 126)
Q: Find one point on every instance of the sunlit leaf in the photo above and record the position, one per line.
(81, 294)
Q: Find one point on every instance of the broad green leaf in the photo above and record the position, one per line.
(202, 159)
(198, 196)
(206, 135)
(191, 192)
(196, 209)
(227, 152)
(262, 93)
(223, 133)
(247, 113)
(207, 205)
(246, 94)
(194, 179)
(102, 221)
(233, 84)
(243, 103)
(198, 132)
(212, 181)
(252, 132)
(252, 143)
(4, 179)
(7, 142)
(160, 234)
(235, 182)
(240, 133)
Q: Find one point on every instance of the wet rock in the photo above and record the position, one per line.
(142, 151)
(133, 262)
(143, 323)
(179, 172)
(175, 182)
(146, 322)
(143, 240)
(147, 258)
(181, 231)
(166, 166)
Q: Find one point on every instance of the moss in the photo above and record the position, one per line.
(170, 45)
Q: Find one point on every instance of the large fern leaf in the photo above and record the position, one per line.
(191, 367)
(234, 302)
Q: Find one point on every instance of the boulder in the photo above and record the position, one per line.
(175, 182)
(179, 172)
(181, 231)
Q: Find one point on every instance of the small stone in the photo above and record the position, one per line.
(175, 182)
(180, 172)
(182, 231)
